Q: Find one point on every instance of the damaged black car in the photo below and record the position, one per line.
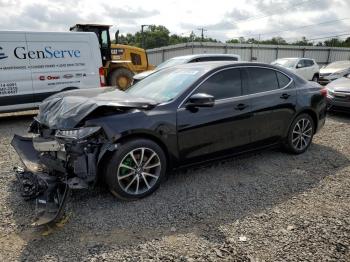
(174, 118)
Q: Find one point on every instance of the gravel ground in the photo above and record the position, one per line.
(267, 206)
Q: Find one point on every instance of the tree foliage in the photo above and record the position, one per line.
(158, 35)
(335, 42)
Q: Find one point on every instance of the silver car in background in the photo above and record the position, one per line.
(187, 59)
(338, 95)
(334, 71)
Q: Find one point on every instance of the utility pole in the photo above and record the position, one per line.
(142, 36)
(202, 33)
(257, 55)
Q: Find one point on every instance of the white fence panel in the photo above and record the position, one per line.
(248, 52)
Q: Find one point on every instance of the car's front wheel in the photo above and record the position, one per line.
(136, 169)
(300, 134)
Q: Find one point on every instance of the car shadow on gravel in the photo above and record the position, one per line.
(193, 201)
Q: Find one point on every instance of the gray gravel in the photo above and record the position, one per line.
(267, 206)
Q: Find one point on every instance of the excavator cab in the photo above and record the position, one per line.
(102, 32)
(120, 62)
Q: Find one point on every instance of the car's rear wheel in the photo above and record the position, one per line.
(300, 134)
(136, 169)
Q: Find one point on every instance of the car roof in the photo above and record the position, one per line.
(290, 58)
(217, 64)
(204, 55)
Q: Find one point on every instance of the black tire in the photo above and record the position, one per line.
(305, 139)
(118, 182)
(315, 78)
(118, 74)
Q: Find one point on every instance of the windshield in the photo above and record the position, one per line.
(290, 63)
(171, 62)
(339, 64)
(167, 84)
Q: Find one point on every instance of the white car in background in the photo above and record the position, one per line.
(334, 71)
(307, 68)
(187, 59)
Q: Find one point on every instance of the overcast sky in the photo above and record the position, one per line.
(223, 19)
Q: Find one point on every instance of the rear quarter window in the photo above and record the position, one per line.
(283, 80)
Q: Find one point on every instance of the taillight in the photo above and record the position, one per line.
(324, 92)
(101, 72)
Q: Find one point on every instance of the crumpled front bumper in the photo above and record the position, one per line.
(27, 153)
(49, 191)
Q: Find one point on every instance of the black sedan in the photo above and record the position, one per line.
(176, 117)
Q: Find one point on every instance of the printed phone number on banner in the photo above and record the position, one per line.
(8, 88)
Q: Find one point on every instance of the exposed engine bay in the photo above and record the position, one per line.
(56, 164)
(64, 154)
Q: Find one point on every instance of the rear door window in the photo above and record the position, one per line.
(308, 62)
(261, 80)
(301, 64)
(224, 84)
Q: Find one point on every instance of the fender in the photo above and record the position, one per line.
(170, 150)
(308, 110)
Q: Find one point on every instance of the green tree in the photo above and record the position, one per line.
(333, 42)
(128, 39)
(302, 42)
(154, 36)
(232, 41)
(274, 41)
(346, 43)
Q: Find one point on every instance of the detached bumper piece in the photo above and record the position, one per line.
(50, 192)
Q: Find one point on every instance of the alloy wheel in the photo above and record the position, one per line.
(302, 134)
(139, 171)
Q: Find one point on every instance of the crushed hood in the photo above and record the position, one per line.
(65, 110)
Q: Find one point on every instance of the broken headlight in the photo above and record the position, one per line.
(77, 134)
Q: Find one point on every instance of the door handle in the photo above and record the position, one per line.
(241, 106)
(285, 96)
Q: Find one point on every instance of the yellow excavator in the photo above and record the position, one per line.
(120, 62)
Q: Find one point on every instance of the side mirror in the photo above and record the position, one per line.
(200, 100)
(299, 66)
